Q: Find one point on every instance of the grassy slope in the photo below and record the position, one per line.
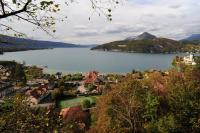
(74, 101)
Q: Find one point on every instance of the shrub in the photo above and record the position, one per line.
(90, 87)
(86, 103)
(93, 100)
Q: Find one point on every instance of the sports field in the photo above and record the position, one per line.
(75, 101)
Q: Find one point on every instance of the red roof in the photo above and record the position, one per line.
(91, 77)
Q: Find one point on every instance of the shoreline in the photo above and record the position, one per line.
(119, 51)
(23, 50)
(51, 71)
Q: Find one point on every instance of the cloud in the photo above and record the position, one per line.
(175, 6)
(168, 18)
(80, 27)
(119, 29)
(86, 33)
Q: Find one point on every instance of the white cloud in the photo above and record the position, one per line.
(168, 18)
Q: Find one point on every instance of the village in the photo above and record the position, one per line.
(75, 95)
(75, 92)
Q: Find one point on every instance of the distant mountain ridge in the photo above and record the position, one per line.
(8, 44)
(193, 37)
(147, 43)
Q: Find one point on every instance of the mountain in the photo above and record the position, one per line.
(193, 37)
(8, 44)
(146, 43)
(144, 36)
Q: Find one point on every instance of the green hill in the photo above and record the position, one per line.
(9, 44)
(147, 43)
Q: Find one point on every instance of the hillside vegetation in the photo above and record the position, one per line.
(10, 44)
(157, 103)
(147, 43)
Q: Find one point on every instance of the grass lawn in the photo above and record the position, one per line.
(74, 101)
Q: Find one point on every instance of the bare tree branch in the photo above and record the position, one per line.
(24, 9)
(2, 6)
(41, 13)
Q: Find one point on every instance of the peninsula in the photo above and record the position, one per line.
(148, 43)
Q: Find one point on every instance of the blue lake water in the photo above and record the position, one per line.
(83, 60)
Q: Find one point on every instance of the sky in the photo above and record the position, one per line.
(175, 19)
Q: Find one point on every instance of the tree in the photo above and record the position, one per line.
(136, 106)
(151, 107)
(56, 93)
(86, 103)
(134, 71)
(41, 13)
(165, 124)
(107, 88)
(120, 110)
(90, 87)
(19, 73)
(184, 101)
(156, 82)
(61, 83)
(197, 60)
(21, 118)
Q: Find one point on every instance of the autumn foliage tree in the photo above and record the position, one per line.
(136, 106)
(120, 109)
(17, 116)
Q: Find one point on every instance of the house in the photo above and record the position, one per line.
(5, 73)
(82, 89)
(37, 82)
(35, 96)
(189, 60)
(91, 77)
(101, 79)
(94, 78)
(72, 84)
(6, 89)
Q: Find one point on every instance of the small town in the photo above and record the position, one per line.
(74, 94)
(42, 89)
(71, 93)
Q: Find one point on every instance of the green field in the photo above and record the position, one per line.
(75, 101)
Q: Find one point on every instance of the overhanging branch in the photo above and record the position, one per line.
(5, 15)
(2, 6)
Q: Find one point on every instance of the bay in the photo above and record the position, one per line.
(72, 60)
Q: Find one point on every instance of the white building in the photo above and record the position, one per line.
(189, 60)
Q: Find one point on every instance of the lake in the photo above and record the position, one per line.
(72, 60)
